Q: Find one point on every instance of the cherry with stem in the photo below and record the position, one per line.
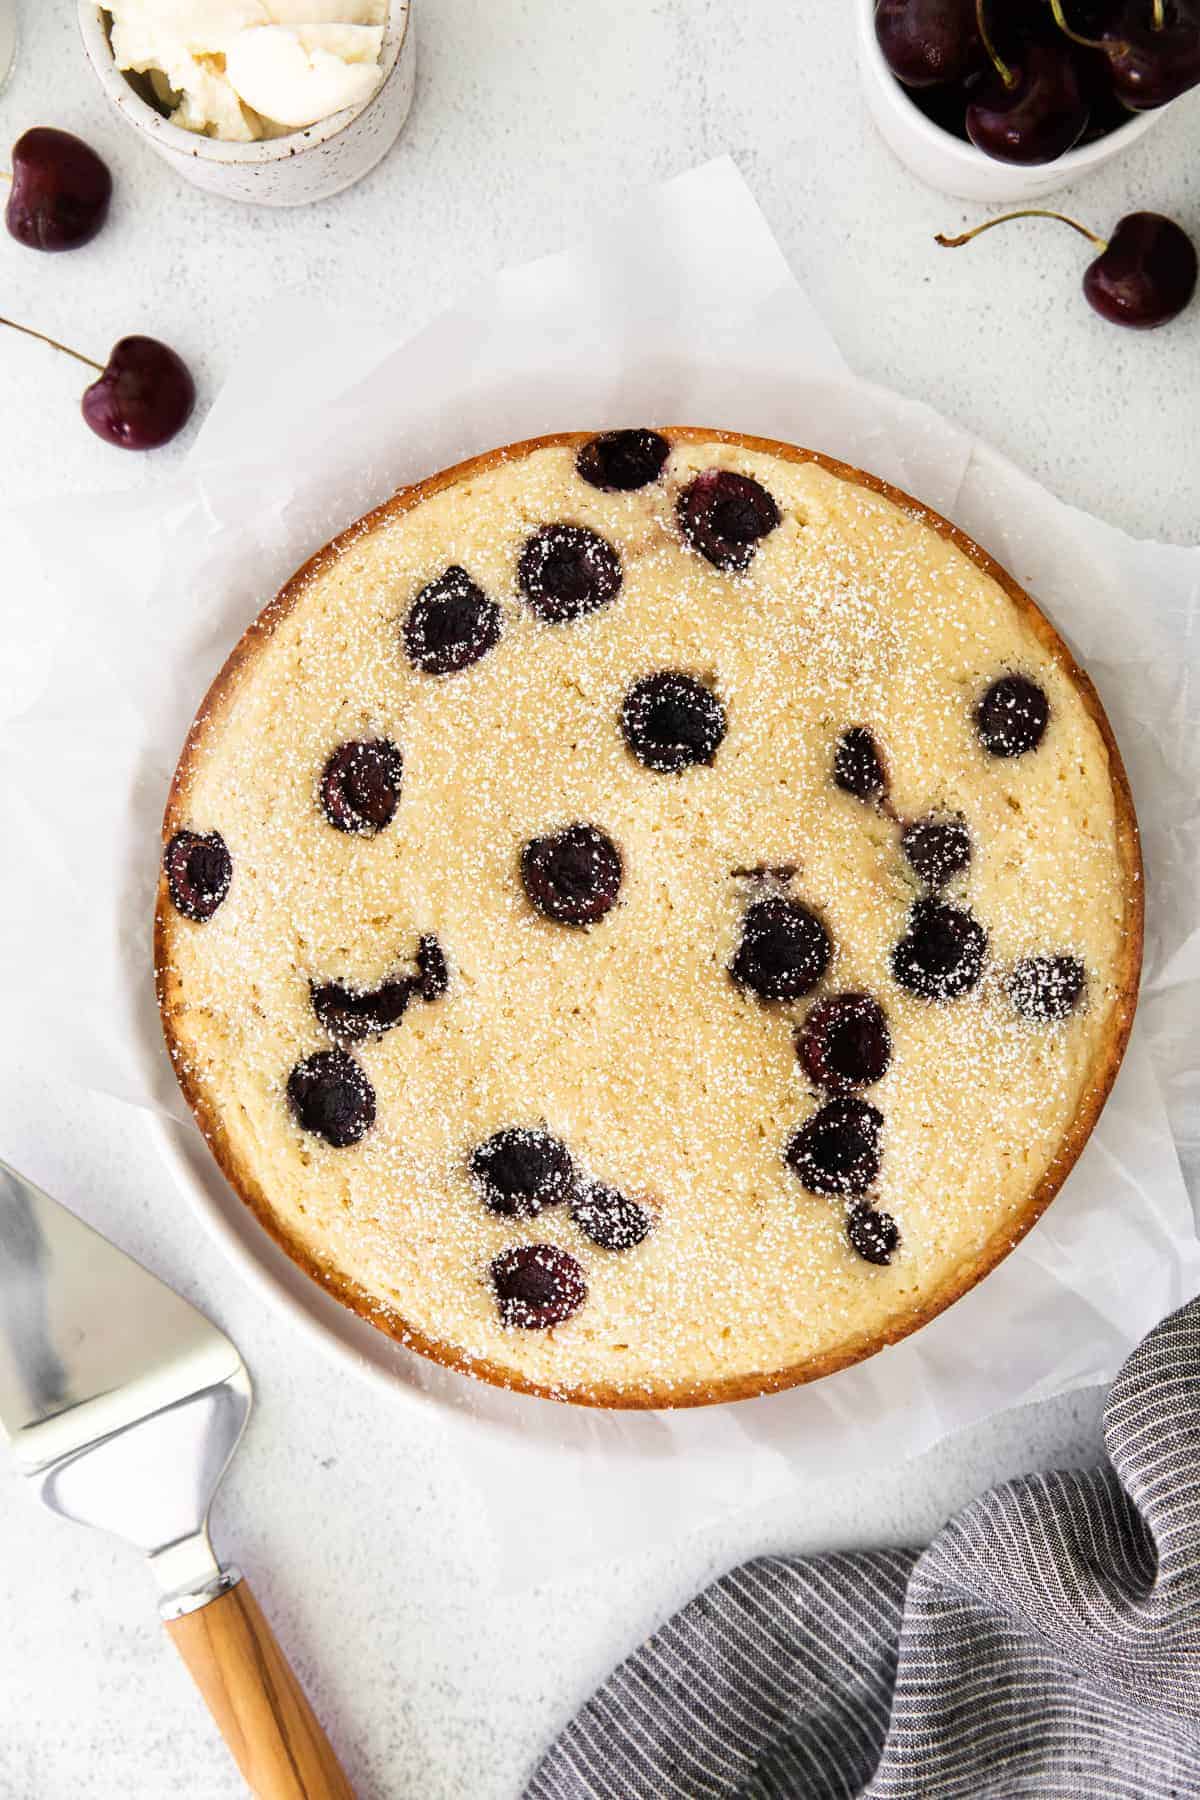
(141, 397)
(1144, 275)
(1152, 50)
(1030, 109)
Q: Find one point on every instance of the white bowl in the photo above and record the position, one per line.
(8, 38)
(311, 164)
(954, 166)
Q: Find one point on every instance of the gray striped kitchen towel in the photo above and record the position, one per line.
(1047, 1643)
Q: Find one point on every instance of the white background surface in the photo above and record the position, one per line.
(347, 1513)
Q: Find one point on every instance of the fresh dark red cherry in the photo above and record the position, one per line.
(143, 397)
(1144, 275)
(928, 42)
(60, 190)
(1030, 110)
(1152, 48)
(1105, 112)
(143, 394)
(1153, 63)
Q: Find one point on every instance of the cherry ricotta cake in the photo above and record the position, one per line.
(649, 918)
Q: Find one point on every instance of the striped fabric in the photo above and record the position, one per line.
(1047, 1643)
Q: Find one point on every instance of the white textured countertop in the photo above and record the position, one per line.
(529, 115)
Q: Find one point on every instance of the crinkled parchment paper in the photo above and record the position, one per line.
(682, 310)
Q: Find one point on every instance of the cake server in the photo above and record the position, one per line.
(124, 1405)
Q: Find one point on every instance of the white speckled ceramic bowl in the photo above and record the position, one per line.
(8, 38)
(946, 162)
(310, 164)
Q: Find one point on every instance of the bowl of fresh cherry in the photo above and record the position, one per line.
(1007, 100)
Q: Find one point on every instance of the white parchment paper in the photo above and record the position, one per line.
(682, 310)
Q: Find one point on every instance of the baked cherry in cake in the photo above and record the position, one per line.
(1046, 988)
(942, 954)
(622, 461)
(451, 625)
(609, 1218)
(331, 1097)
(433, 971)
(351, 1014)
(837, 1151)
(874, 1235)
(671, 720)
(199, 869)
(845, 1042)
(537, 1286)
(1012, 716)
(858, 766)
(724, 516)
(766, 874)
(784, 950)
(937, 849)
(521, 1169)
(572, 876)
(360, 786)
(567, 571)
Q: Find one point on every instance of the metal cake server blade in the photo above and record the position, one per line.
(124, 1405)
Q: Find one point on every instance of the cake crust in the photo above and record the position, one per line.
(353, 1294)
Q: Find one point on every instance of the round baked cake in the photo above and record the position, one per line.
(651, 918)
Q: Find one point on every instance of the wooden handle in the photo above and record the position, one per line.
(259, 1705)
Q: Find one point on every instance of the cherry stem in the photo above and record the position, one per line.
(54, 344)
(1026, 212)
(1075, 36)
(1001, 67)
